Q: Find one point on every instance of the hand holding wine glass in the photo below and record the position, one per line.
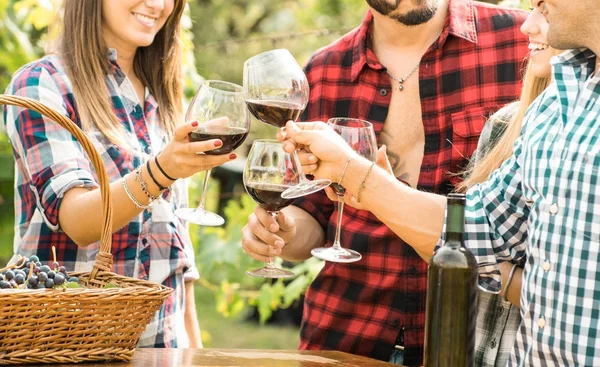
(270, 171)
(221, 113)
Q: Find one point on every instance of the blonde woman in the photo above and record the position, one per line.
(117, 74)
(499, 316)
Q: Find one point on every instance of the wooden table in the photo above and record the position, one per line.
(147, 357)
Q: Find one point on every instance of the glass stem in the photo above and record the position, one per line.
(296, 159)
(270, 264)
(338, 227)
(204, 191)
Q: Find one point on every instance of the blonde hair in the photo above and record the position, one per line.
(532, 87)
(158, 66)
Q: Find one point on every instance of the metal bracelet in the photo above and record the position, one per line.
(362, 184)
(130, 195)
(144, 185)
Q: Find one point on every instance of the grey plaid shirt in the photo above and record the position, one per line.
(544, 204)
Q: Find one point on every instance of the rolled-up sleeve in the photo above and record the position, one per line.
(496, 221)
(51, 158)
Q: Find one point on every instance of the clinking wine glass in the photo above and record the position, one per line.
(269, 171)
(359, 134)
(216, 99)
(277, 91)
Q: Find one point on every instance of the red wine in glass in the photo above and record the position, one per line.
(268, 196)
(232, 137)
(273, 112)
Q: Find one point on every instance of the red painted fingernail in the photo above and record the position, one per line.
(218, 143)
(232, 156)
(195, 123)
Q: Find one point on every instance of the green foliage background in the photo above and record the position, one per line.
(218, 36)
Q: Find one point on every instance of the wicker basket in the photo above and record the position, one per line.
(82, 324)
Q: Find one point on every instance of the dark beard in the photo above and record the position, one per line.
(412, 18)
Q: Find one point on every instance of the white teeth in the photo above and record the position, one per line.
(538, 46)
(145, 19)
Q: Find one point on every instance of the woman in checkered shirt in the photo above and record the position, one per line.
(116, 73)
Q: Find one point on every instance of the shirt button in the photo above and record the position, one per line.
(541, 322)
(148, 150)
(493, 343)
(546, 265)
(144, 241)
(383, 92)
(553, 209)
(396, 322)
(500, 310)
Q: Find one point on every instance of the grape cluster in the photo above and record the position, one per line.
(31, 274)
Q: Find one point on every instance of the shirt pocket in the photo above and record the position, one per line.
(466, 128)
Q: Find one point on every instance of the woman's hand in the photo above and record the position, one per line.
(181, 158)
(325, 151)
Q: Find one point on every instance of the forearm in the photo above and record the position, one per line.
(416, 217)
(80, 205)
(192, 327)
(309, 235)
(513, 292)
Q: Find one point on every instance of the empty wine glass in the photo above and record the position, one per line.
(359, 134)
(216, 99)
(277, 91)
(270, 171)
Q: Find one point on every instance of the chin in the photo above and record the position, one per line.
(143, 41)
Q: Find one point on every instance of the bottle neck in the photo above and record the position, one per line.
(455, 223)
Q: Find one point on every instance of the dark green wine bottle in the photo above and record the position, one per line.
(451, 296)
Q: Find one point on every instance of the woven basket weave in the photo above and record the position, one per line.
(81, 324)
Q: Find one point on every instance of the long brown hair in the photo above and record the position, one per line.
(532, 87)
(84, 53)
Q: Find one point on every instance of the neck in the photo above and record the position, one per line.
(125, 55)
(389, 33)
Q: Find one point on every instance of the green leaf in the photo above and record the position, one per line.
(109, 286)
(264, 303)
(294, 289)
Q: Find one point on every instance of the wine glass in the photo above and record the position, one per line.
(215, 99)
(277, 91)
(269, 171)
(359, 134)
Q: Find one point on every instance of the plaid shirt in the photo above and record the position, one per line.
(154, 246)
(471, 70)
(543, 205)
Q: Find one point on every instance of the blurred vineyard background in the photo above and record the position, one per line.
(235, 311)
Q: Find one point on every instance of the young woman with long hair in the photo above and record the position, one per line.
(116, 72)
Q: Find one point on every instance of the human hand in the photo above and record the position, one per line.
(265, 235)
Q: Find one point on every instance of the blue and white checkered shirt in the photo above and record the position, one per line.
(543, 204)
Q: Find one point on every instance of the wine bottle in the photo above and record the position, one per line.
(451, 296)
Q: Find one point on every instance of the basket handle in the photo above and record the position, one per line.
(103, 258)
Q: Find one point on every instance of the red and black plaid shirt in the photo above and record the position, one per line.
(473, 69)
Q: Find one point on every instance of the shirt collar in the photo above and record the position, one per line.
(574, 57)
(460, 23)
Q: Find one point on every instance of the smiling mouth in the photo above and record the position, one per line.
(538, 46)
(145, 19)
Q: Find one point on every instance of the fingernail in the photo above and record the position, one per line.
(273, 227)
(312, 158)
(218, 143)
(195, 123)
(278, 244)
(232, 156)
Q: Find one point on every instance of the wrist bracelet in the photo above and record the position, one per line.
(130, 195)
(508, 281)
(162, 170)
(144, 185)
(362, 184)
(160, 187)
(344, 170)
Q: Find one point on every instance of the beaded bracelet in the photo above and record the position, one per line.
(144, 185)
(362, 184)
(344, 170)
(130, 195)
(508, 281)
(162, 170)
(160, 187)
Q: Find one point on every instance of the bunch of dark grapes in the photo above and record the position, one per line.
(31, 274)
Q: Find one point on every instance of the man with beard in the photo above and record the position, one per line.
(426, 73)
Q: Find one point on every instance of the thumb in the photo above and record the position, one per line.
(303, 136)
(382, 159)
(286, 223)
